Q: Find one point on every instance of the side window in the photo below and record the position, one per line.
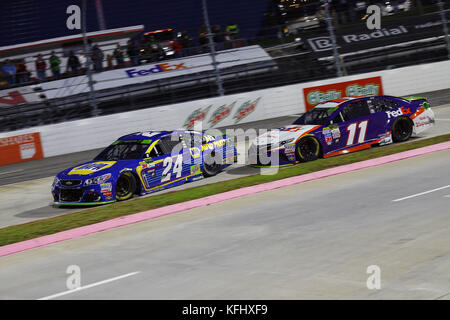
(384, 104)
(338, 118)
(355, 110)
(170, 144)
(156, 151)
(197, 139)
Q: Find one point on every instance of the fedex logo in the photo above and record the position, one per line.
(162, 67)
(396, 113)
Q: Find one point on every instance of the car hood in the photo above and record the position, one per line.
(92, 169)
(283, 134)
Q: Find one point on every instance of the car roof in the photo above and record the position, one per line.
(153, 134)
(335, 103)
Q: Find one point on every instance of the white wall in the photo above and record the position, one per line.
(98, 132)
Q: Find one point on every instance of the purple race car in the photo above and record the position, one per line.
(344, 125)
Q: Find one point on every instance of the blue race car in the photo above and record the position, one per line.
(141, 163)
(341, 126)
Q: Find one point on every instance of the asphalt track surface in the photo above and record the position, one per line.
(25, 187)
(313, 240)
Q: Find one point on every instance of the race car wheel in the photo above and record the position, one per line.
(307, 149)
(125, 187)
(401, 129)
(211, 168)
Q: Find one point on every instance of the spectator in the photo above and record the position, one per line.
(97, 58)
(232, 30)
(83, 62)
(118, 55)
(335, 18)
(109, 61)
(218, 37)
(203, 38)
(177, 47)
(186, 41)
(40, 67)
(152, 50)
(321, 16)
(9, 72)
(133, 53)
(156, 52)
(23, 75)
(342, 11)
(55, 61)
(73, 63)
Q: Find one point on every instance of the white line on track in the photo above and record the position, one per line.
(89, 286)
(422, 193)
(443, 119)
(8, 172)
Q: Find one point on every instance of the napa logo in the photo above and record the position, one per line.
(89, 168)
(162, 67)
(317, 96)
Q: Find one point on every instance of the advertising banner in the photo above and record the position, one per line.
(391, 33)
(20, 148)
(16, 96)
(156, 71)
(361, 87)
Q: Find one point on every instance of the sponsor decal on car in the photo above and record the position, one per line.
(221, 113)
(318, 94)
(386, 138)
(423, 121)
(146, 164)
(289, 148)
(336, 133)
(332, 134)
(106, 189)
(91, 167)
(197, 115)
(195, 169)
(229, 159)
(245, 109)
(399, 112)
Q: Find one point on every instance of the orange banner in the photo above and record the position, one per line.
(20, 148)
(362, 87)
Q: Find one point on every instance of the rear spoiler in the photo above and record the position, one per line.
(410, 99)
(424, 104)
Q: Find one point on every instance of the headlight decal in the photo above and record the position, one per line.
(98, 180)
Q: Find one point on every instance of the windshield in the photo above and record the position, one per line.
(316, 116)
(122, 151)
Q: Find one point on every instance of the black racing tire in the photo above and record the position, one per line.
(402, 129)
(211, 169)
(125, 186)
(307, 149)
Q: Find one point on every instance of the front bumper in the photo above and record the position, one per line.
(82, 195)
(266, 156)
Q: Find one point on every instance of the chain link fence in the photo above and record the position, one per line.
(325, 41)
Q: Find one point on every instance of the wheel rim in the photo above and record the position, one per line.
(123, 186)
(212, 168)
(307, 149)
(402, 130)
